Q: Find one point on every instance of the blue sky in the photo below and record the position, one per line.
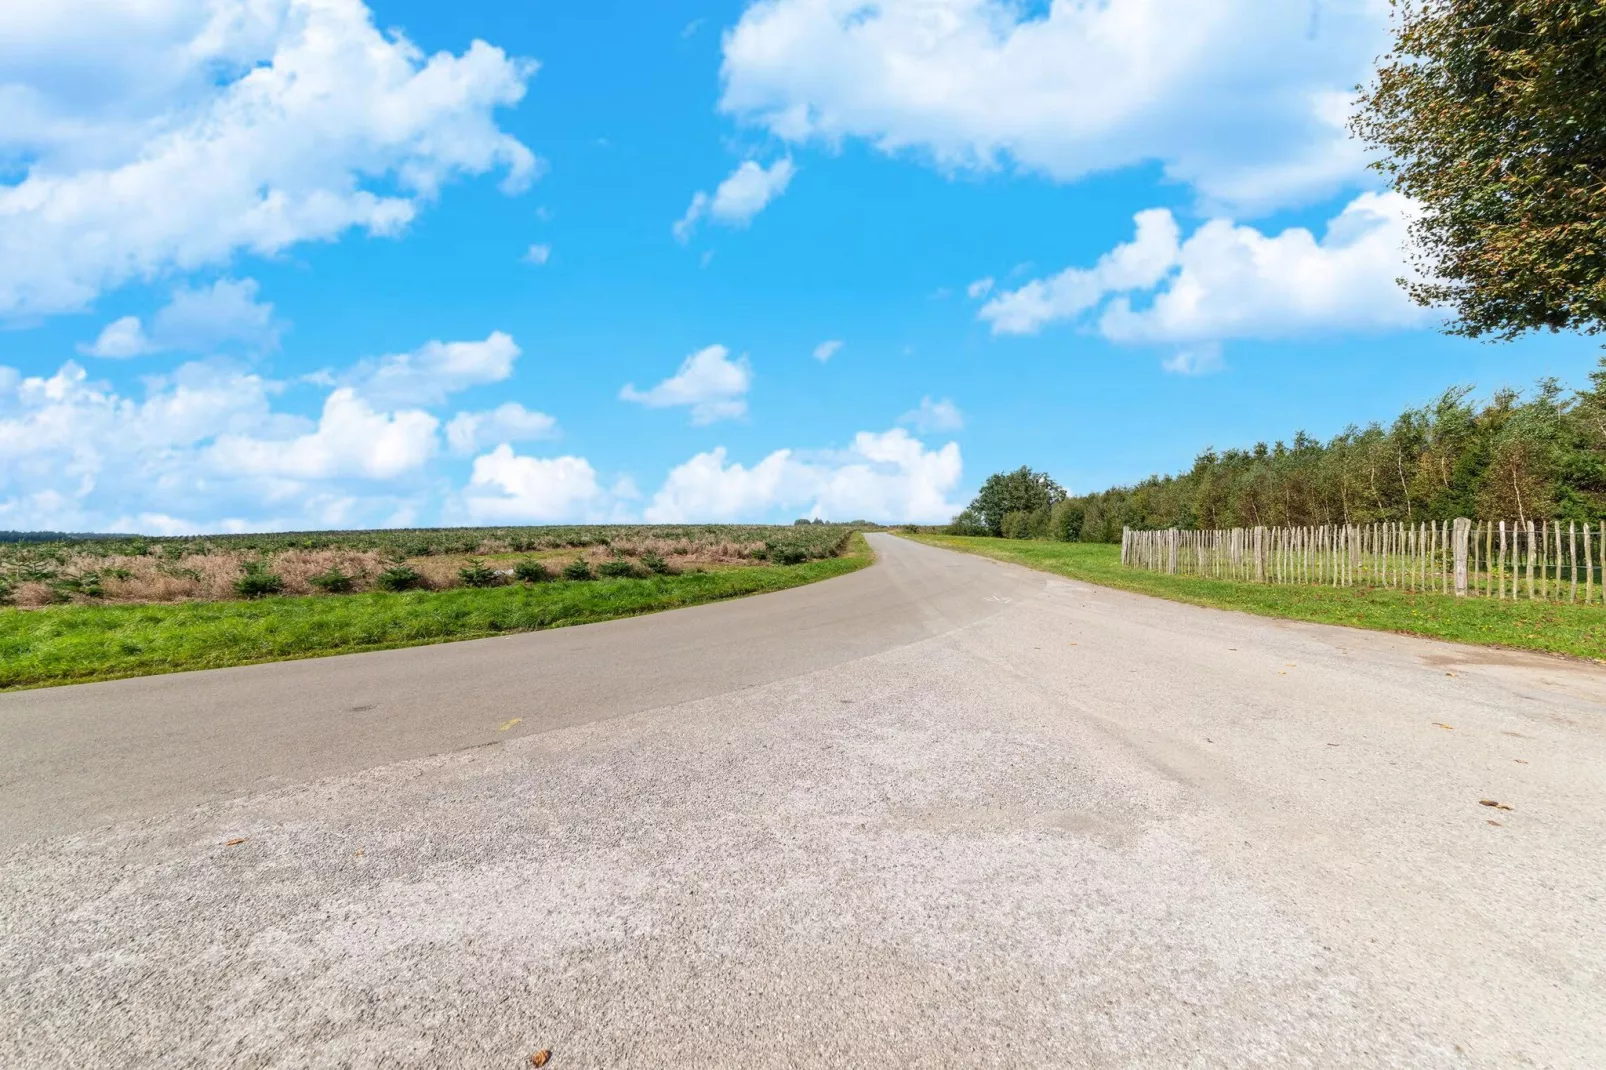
(321, 263)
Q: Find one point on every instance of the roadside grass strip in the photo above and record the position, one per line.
(1553, 628)
(81, 643)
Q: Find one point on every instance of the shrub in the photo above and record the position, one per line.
(967, 523)
(478, 574)
(578, 569)
(399, 578)
(657, 565)
(256, 580)
(618, 569)
(532, 571)
(333, 582)
(1065, 525)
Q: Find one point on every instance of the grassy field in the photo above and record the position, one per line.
(106, 569)
(1579, 631)
(66, 644)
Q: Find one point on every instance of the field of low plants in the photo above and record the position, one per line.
(257, 618)
(104, 570)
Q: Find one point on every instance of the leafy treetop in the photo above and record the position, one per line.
(1492, 116)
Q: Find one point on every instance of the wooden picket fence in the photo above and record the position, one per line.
(1550, 560)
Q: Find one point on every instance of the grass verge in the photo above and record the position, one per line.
(1574, 630)
(77, 644)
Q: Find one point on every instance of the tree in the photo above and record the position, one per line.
(1492, 116)
(1020, 491)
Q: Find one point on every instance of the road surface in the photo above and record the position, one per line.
(942, 811)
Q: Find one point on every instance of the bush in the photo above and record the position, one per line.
(578, 569)
(657, 565)
(968, 523)
(531, 571)
(1065, 523)
(333, 582)
(256, 580)
(399, 578)
(478, 574)
(1017, 524)
(618, 569)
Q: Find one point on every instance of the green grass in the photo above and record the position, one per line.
(1575, 630)
(76, 644)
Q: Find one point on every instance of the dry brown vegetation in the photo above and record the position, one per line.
(209, 569)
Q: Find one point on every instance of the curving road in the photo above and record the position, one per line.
(940, 811)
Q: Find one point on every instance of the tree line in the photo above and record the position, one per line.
(1539, 455)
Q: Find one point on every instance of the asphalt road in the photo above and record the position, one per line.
(942, 811)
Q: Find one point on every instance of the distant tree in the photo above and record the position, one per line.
(1514, 457)
(1020, 491)
(967, 523)
(1492, 116)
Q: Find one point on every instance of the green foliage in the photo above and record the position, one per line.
(619, 568)
(477, 573)
(398, 578)
(1065, 521)
(530, 570)
(655, 564)
(334, 582)
(257, 581)
(1542, 457)
(1020, 491)
(806, 543)
(968, 522)
(578, 569)
(1492, 116)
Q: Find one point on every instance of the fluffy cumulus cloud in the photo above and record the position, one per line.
(431, 372)
(351, 439)
(1243, 99)
(198, 320)
(282, 121)
(709, 383)
(509, 422)
(889, 476)
(208, 447)
(507, 487)
(1230, 281)
(748, 190)
(931, 416)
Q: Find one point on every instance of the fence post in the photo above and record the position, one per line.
(1126, 537)
(1463, 529)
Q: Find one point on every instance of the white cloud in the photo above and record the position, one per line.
(1242, 99)
(538, 254)
(281, 121)
(1229, 281)
(1197, 360)
(888, 476)
(1139, 264)
(432, 371)
(980, 288)
(1235, 282)
(351, 439)
(932, 416)
(511, 422)
(121, 339)
(509, 487)
(826, 350)
(739, 198)
(75, 455)
(200, 320)
(712, 385)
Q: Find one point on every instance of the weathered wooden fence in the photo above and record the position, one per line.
(1551, 560)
